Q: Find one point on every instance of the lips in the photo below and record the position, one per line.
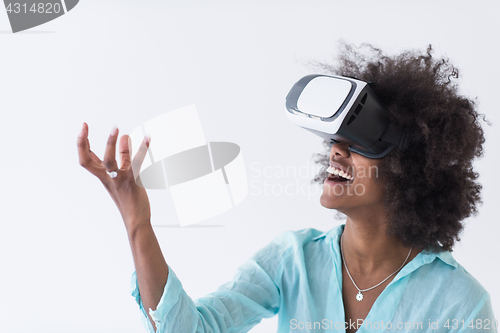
(337, 170)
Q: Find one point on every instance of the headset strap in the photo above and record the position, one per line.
(396, 136)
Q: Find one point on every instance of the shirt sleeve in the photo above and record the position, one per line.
(481, 319)
(236, 306)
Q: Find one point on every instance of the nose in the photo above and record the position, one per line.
(340, 150)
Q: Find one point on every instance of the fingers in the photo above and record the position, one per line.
(91, 162)
(109, 155)
(87, 158)
(139, 157)
(94, 157)
(125, 147)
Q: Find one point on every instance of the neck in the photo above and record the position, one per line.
(368, 249)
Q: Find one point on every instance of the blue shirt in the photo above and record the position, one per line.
(299, 277)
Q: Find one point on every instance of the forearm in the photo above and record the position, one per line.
(151, 267)
(238, 305)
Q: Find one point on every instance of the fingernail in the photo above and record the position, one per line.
(81, 132)
(114, 131)
(147, 139)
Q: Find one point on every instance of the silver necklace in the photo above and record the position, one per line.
(359, 295)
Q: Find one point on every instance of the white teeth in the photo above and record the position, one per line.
(335, 171)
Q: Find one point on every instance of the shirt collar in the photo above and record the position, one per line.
(424, 257)
(332, 234)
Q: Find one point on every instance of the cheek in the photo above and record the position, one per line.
(374, 189)
(369, 184)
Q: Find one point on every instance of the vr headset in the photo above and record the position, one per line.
(344, 109)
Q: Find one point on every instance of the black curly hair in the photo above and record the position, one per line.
(431, 188)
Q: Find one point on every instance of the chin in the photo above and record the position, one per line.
(330, 202)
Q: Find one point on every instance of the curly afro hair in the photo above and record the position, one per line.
(431, 188)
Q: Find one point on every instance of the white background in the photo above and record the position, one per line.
(65, 262)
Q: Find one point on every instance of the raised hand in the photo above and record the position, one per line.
(131, 199)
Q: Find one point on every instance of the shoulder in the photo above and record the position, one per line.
(287, 244)
(452, 276)
(464, 283)
(449, 285)
(299, 237)
(293, 240)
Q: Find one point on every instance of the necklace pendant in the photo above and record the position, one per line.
(359, 296)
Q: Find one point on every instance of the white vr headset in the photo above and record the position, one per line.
(344, 109)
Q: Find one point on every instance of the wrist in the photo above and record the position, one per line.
(134, 226)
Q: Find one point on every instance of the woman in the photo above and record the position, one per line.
(388, 268)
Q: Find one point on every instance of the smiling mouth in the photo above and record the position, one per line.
(338, 175)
